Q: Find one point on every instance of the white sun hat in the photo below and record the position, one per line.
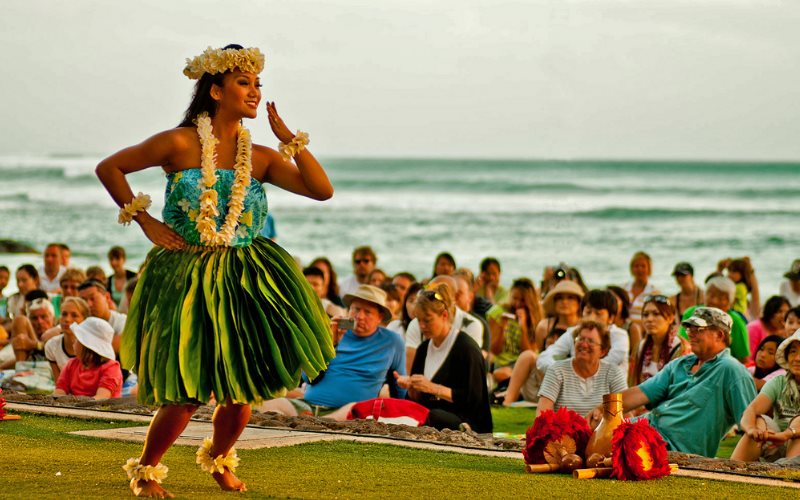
(95, 334)
(780, 354)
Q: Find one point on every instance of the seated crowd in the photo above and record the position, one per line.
(696, 365)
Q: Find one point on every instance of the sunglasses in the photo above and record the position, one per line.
(362, 261)
(432, 294)
(660, 299)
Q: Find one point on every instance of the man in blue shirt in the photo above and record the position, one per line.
(366, 357)
(696, 399)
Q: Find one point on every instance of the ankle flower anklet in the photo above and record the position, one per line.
(139, 203)
(288, 151)
(137, 471)
(218, 463)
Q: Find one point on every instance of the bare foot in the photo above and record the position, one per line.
(149, 489)
(229, 482)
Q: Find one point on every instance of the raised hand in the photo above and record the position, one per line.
(279, 128)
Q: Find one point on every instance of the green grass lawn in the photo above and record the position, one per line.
(43, 461)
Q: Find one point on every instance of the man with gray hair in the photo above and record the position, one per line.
(695, 399)
(720, 293)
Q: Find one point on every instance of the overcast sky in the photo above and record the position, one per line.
(702, 79)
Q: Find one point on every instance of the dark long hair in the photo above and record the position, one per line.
(201, 98)
(332, 293)
(446, 256)
(411, 292)
(772, 306)
(758, 372)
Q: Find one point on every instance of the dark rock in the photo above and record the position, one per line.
(12, 246)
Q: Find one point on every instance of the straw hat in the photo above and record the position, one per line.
(371, 294)
(95, 334)
(780, 354)
(563, 287)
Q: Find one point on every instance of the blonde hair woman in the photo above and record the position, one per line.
(448, 374)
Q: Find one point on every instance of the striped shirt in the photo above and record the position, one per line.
(566, 388)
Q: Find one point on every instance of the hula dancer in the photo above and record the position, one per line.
(219, 311)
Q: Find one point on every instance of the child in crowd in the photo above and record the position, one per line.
(93, 371)
(792, 320)
(740, 271)
(766, 366)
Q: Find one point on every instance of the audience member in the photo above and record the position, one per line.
(407, 312)
(792, 319)
(331, 281)
(720, 292)
(95, 294)
(488, 282)
(624, 321)
(58, 341)
(600, 306)
(776, 436)
(741, 272)
(791, 287)
(364, 261)
(377, 277)
(29, 327)
(5, 275)
(27, 281)
(96, 273)
(119, 276)
(366, 357)
(562, 306)
(51, 270)
(402, 281)
(766, 366)
(661, 343)
(443, 265)
(689, 295)
(93, 371)
(394, 301)
(466, 300)
(66, 254)
(465, 321)
(579, 383)
(316, 278)
(513, 326)
(771, 322)
(640, 287)
(448, 374)
(696, 399)
(480, 306)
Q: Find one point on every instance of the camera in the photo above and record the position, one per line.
(346, 324)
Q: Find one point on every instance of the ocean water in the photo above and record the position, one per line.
(529, 214)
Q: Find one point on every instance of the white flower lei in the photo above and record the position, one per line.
(206, 224)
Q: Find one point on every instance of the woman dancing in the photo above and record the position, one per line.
(219, 312)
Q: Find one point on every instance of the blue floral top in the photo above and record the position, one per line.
(182, 205)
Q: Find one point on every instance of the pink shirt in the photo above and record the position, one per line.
(79, 381)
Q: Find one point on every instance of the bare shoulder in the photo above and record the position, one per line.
(263, 158)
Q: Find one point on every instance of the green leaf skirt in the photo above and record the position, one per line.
(238, 323)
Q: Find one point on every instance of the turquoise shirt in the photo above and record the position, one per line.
(693, 411)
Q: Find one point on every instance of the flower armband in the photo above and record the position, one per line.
(139, 203)
(289, 150)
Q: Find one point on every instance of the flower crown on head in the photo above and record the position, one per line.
(215, 61)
